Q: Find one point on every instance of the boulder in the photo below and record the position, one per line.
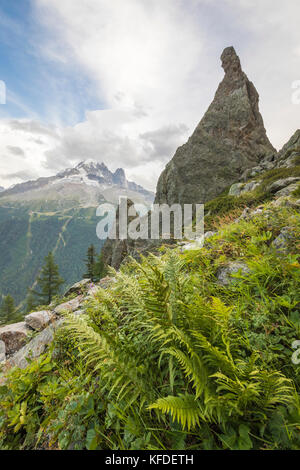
(14, 336)
(288, 190)
(236, 189)
(251, 186)
(35, 347)
(39, 320)
(282, 241)
(69, 306)
(2, 352)
(224, 273)
(282, 183)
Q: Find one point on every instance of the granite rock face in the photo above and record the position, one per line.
(229, 139)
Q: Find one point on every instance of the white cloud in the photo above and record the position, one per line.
(155, 67)
(20, 149)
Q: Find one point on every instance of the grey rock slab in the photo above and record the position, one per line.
(288, 190)
(282, 183)
(282, 241)
(69, 306)
(39, 320)
(35, 347)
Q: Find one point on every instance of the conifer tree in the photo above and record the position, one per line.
(30, 303)
(100, 267)
(90, 263)
(7, 310)
(49, 280)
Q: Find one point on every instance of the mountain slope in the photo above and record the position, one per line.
(59, 214)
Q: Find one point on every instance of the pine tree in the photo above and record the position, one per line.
(30, 303)
(90, 262)
(100, 267)
(49, 280)
(7, 310)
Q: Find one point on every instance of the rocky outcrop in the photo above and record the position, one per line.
(230, 139)
(14, 336)
(289, 155)
(281, 243)
(29, 339)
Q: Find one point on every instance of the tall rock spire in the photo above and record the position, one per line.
(229, 139)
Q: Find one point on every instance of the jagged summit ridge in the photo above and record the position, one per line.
(89, 181)
(229, 139)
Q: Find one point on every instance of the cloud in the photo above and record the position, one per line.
(162, 142)
(16, 150)
(154, 67)
(113, 136)
(20, 138)
(21, 175)
(32, 127)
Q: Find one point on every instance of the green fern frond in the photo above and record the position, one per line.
(183, 408)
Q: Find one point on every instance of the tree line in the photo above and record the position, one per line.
(48, 285)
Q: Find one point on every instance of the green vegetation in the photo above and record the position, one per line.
(297, 192)
(169, 358)
(49, 281)
(26, 237)
(90, 263)
(7, 310)
(271, 176)
(225, 204)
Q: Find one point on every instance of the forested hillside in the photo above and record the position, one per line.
(27, 236)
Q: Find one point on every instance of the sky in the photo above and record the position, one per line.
(125, 82)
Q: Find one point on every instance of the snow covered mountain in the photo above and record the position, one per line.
(87, 184)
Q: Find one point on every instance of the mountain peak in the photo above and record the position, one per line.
(230, 61)
(229, 139)
(90, 163)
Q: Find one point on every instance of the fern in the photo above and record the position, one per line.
(183, 408)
